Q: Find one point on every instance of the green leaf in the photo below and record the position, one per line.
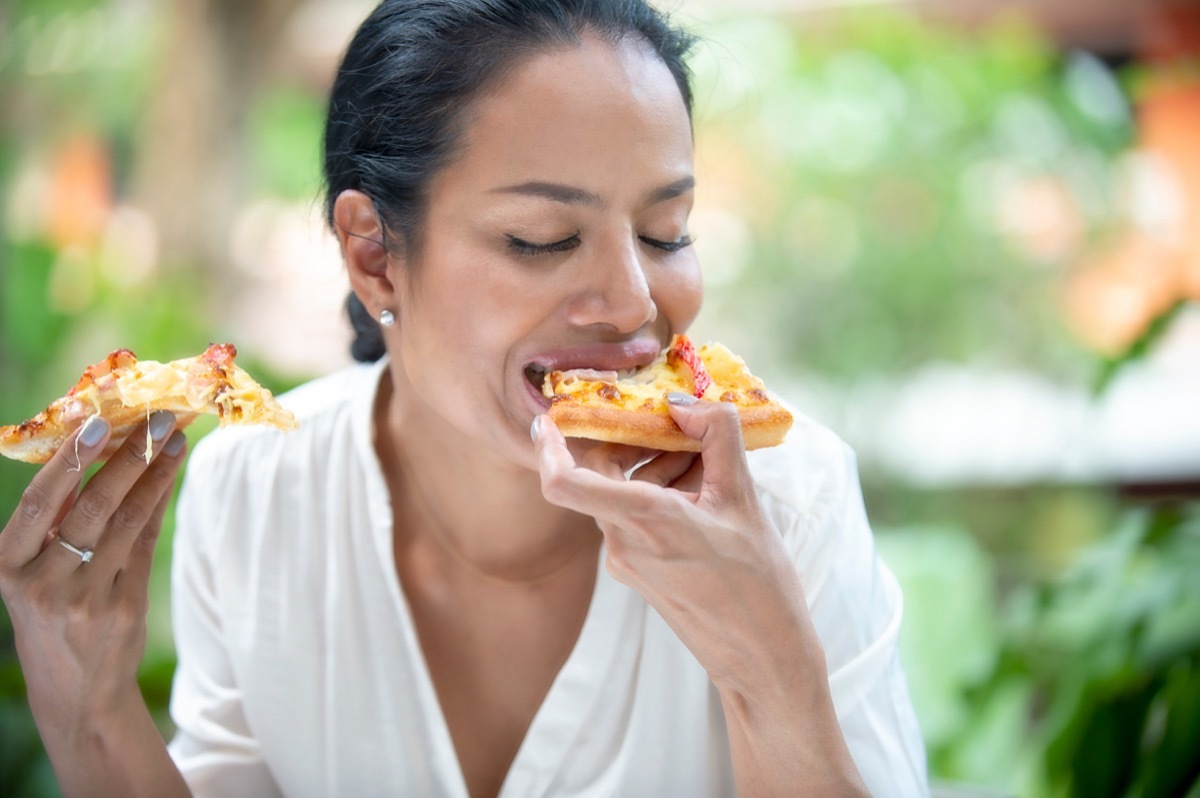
(1140, 347)
(1104, 761)
(1172, 765)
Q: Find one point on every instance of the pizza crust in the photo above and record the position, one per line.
(38, 443)
(762, 426)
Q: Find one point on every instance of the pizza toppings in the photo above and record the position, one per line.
(631, 407)
(219, 355)
(124, 390)
(679, 368)
(587, 375)
(683, 351)
(101, 372)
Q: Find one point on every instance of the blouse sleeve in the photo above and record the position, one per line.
(855, 603)
(214, 746)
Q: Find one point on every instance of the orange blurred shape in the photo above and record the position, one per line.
(1042, 219)
(1113, 300)
(1170, 125)
(1110, 303)
(80, 192)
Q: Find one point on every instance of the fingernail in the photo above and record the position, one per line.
(676, 398)
(93, 430)
(174, 444)
(535, 429)
(160, 424)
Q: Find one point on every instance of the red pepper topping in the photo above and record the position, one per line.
(683, 350)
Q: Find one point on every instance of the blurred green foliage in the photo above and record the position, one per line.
(897, 173)
(99, 88)
(895, 166)
(286, 130)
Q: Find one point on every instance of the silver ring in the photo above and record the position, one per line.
(85, 555)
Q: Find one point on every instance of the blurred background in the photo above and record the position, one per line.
(963, 234)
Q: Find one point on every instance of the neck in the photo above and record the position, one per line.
(487, 514)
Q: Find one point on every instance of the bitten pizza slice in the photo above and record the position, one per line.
(632, 409)
(124, 390)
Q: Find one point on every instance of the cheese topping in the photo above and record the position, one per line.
(196, 385)
(123, 389)
(647, 388)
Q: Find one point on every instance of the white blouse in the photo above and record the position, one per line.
(300, 672)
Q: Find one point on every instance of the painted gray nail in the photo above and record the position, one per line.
(160, 424)
(174, 444)
(676, 398)
(535, 429)
(93, 430)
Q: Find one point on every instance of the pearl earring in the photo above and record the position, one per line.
(387, 318)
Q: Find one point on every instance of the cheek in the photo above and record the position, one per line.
(681, 294)
(461, 315)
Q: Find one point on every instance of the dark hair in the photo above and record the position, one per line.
(396, 107)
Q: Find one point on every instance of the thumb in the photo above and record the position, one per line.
(718, 428)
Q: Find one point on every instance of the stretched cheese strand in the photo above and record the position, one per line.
(79, 463)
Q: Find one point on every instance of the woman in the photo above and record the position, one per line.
(409, 596)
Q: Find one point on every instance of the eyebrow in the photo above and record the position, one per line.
(569, 195)
(671, 191)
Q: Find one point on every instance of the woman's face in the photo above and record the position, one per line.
(557, 238)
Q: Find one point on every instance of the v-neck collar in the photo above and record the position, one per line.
(615, 613)
(579, 685)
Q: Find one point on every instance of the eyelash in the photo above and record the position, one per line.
(531, 249)
(668, 246)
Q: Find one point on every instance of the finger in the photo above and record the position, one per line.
(133, 580)
(665, 469)
(109, 492)
(51, 488)
(62, 513)
(567, 484)
(129, 522)
(614, 460)
(719, 429)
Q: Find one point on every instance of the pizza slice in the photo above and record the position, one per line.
(632, 409)
(124, 390)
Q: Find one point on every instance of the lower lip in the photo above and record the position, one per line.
(541, 403)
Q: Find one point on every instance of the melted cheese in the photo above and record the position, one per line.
(729, 373)
(647, 388)
(192, 383)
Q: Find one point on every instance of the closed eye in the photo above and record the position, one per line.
(668, 246)
(522, 247)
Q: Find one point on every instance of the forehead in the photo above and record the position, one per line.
(594, 115)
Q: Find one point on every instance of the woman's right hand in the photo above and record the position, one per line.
(80, 625)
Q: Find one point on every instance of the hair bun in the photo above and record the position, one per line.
(368, 340)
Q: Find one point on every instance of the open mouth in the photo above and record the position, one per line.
(536, 374)
(602, 362)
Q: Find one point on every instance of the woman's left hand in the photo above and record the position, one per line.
(686, 531)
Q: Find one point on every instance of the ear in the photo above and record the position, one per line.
(360, 235)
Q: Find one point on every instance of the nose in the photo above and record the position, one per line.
(615, 290)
